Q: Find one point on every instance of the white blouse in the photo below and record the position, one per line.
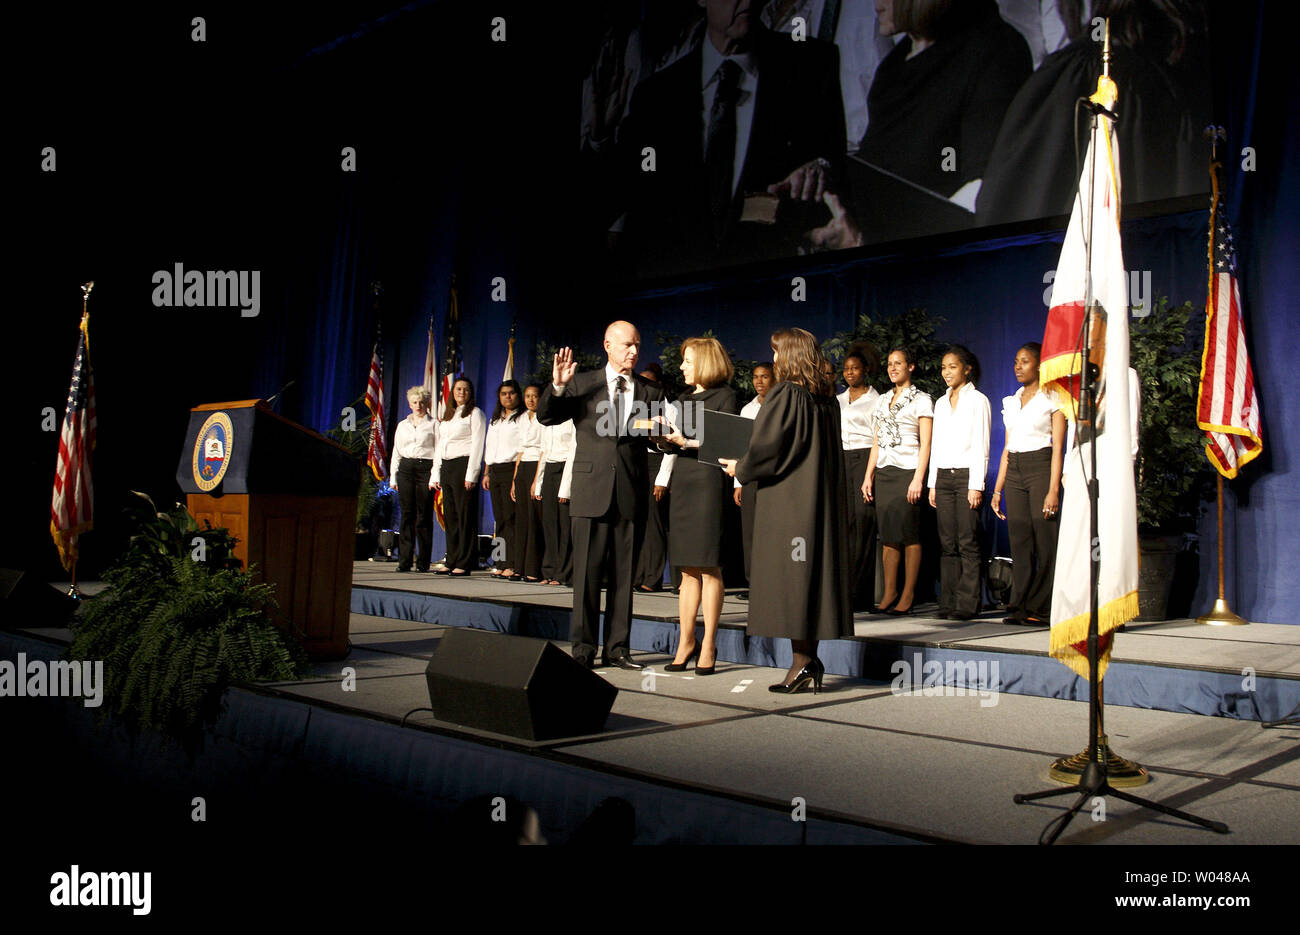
(503, 440)
(961, 435)
(461, 437)
(559, 442)
(898, 431)
(856, 419)
(415, 438)
(1029, 426)
(530, 437)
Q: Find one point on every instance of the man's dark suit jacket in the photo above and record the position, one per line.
(599, 458)
(798, 117)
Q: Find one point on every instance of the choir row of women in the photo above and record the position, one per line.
(529, 470)
(894, 447)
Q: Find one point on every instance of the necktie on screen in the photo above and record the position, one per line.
(720, 146)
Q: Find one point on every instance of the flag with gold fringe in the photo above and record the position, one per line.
(72, 502)
(377, 454)
(1101, 293)
(1227, 409)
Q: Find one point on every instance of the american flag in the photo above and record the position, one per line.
(1229, 410)
(451, 363)
(71, 506)
(377, 455)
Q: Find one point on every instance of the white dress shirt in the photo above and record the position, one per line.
(747, 90)
(415, 438)
(961, 435)
(898, 433)
(461, 437)
(503, 440)
(530, 437)
(1028, 425)
(559, 442)
(857, 426)
(673, 413)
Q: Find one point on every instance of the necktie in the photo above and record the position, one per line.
(720, 146)
(620, 418)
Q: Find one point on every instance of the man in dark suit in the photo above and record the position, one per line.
(747, 112)
(610, 485)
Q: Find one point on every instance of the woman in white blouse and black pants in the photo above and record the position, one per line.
(554, 481)
(413, 449)
(456, 468)
(857, 430)
(500, 451)
(896, 478)
(1030, 477)
(958, 462)
(528, 507)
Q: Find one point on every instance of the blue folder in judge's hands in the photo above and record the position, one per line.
(723, 435)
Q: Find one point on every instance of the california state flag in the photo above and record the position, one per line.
(1110, 430)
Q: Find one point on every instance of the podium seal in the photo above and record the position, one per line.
(212, 451)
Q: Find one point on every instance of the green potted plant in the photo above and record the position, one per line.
(914, 329)
(178, 624)
(1173, 476)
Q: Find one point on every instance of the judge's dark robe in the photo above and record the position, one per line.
(800, 583)
(1032, 171)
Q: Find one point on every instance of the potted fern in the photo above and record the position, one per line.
(178, 624)
(1173, 476)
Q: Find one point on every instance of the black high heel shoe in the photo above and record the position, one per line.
(694, 654)
(706, 670)
(812, 672)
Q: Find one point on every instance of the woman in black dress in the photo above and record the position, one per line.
(696, 496)
(800, 589)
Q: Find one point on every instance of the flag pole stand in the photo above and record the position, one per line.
(1094, 778)
(1221, 615)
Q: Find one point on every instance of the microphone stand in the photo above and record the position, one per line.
(1095, 780)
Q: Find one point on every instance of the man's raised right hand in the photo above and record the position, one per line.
(564, 367)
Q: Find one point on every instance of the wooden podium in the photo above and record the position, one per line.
(289, 495)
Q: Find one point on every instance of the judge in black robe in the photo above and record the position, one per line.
(800, 584)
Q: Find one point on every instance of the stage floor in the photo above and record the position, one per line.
(870, 762)
(934, 767)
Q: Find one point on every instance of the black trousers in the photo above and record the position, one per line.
(460, 510)
(413, 494)
(597, 542)
(1033, 537)
(557, 560)
(653, 555)
(503, 511)
(528, 522)
(959, 547)
(862, 531)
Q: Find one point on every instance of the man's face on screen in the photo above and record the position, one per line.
(729, 19)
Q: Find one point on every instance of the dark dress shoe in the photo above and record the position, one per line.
(623, 661)
(943, 615)
(587, 662)
(1015, 620)
(957, 615)
(402, 568)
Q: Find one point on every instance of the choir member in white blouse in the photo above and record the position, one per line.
(528, 508)
(456, 469)
(959, 460)
(1029, 476)
(500, 451)
(857, 429)
(413, 450)
(553, 484)
(895, 478)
